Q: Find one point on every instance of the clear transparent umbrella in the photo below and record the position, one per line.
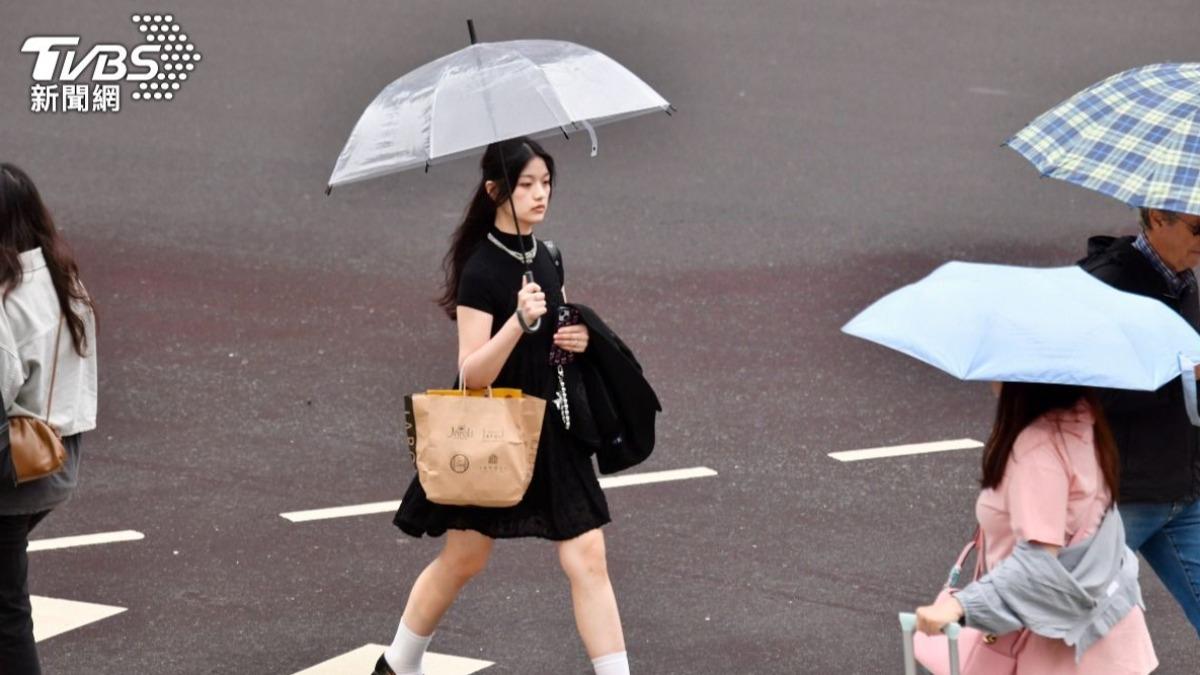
(490, 92)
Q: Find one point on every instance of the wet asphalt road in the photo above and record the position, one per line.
(257, 337)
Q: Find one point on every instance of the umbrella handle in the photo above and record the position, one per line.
(591, 130)
(591, 136)
(1188, 376)
(527, 277)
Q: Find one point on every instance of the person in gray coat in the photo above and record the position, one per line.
(47, 372)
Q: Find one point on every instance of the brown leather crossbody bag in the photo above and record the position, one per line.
(36, 448)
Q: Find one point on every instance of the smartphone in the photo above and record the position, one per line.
(566, 315)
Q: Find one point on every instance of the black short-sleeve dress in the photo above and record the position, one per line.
(564, 499)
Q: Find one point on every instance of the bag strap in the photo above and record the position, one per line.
(556, 256)
(980, 554)
(956, 571)
(54, 369)
(462, 383)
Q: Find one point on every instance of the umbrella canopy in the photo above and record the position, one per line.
(1020, 324)
(485, 93)
(1135, 136)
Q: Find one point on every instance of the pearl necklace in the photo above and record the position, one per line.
(525, 258)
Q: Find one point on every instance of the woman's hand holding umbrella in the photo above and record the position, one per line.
(531, 303)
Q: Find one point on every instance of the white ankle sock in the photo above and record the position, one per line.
(407, 651)
(612, 664)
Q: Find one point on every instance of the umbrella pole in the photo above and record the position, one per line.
(507, 183)
(517, 225)
(528, 276)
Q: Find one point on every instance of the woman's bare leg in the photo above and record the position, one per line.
(585, 562)
(465, 554)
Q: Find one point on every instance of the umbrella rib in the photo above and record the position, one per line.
(433, 111)
(1188, 126)
(433, 117)
(1072, 156)
(1146, 367)
(538, 69)
(974, 361)
(1153, 178)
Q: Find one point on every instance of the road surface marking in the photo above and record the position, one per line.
(342, 511)
(605, 482)
(85, 540)
(656, 477)
(901, 450)
(54, 616)
(363, 659)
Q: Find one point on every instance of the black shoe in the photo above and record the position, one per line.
(382, 667)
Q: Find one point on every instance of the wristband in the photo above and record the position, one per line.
(530, 330)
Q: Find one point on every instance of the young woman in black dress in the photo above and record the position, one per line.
(484, 293)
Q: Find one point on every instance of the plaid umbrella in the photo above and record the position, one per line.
(1134, 136)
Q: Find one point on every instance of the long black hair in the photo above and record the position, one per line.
(506, 157)
(1021, 403)
(25, 224)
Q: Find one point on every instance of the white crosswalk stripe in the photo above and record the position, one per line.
(85, 540)
(607, 482)
(55, 616)
(902, 450)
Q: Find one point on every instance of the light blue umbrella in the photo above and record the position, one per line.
(1134, 136)
(1023, 324)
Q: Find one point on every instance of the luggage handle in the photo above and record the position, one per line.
(908, 626)
(908, 620)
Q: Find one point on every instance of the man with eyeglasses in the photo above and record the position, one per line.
(1159, 446)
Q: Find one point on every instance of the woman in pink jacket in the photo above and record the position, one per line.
(1049, 475)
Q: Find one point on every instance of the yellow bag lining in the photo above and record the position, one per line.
(496, 393)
